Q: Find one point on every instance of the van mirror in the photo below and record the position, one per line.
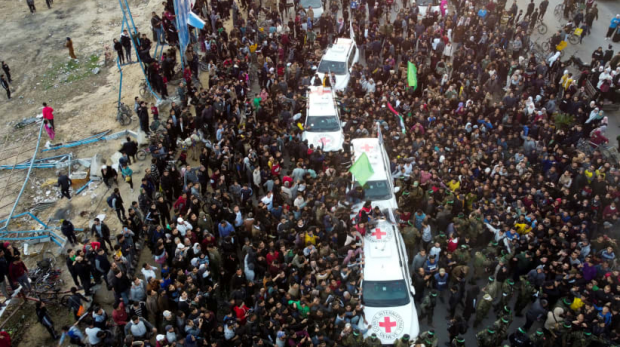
(396, 190)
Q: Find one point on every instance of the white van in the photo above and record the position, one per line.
(379, 188)
(387, 291)
(322, 127)
(339, 59)
(424, 6)
(317, 8)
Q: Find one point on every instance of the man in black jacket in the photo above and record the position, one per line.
(64, 182)
(68, 230)
(101, 229)
(126, 42)
(121, 285)
(131, 147)
(102, 264)
(82, 269)
(4, 272)
(108, 173)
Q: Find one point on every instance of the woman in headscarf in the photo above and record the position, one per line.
(530, 107)
(595, 115)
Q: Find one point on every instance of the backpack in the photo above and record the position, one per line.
(110, 201)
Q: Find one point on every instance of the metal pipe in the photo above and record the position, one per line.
(135, 46)
(34, 156)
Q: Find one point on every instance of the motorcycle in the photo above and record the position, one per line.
(576, 61)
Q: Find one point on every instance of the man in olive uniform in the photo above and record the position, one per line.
(524, 296)
(482, 308)
(461, 224)
(538, 338)
(405, 201)
(458, 341)
(411, 236)
(441, 239)
(354, 339)
(476, 227)
(462, 255)
(417, 195)
(487, 338)
(427, 308)
(403, 341)
(428, 338)
(500, 327)
(581, 338)
(492, 249)
(372, 341)
(506, 295)
(563, 334)
(493, 288)
(564, 303)
(520, 339)
(481, 263)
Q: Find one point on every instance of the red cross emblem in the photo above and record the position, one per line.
(324, 140)
(378, 234)
(366, 147)
(387, 324)
(321, 91)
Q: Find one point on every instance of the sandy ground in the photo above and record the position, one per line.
(84, 104)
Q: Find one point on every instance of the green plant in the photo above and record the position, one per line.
(62, 71)
(563, 121)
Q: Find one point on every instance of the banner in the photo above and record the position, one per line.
(182, 8)
(412, 75)
(195, 21)
(402, 122)
(361, 169)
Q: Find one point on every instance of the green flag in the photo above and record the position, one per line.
(412, 75)
(361, 169)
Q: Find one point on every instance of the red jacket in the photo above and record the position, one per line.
(16, 270)
(48, 113)
(5, 339)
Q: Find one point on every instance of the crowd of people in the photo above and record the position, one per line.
(508, 186)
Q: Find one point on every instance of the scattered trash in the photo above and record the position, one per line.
(96, 71)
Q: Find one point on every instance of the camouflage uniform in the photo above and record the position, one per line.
(482, 308)
(417, 195)
(411, 236)
(506, 294)
(538, 338)
(581, 339)
(564, 303)
(493, 288)
(353, 340)
(372, 341)
(524, 297)
(441, 239)
(457, 342)
(481, 263)
(562, 335)
(487, 338)
(501, 327)
(428, 338)
(406, 201)
(427, 308)
(462, 255)
(402, 342)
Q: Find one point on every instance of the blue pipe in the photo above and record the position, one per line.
(37, 219)
(127, 11)
(34, 156)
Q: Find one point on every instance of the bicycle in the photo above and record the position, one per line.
(558, 11)
(145, 91)
(123, 113)
(546, 46)
(541, 27)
